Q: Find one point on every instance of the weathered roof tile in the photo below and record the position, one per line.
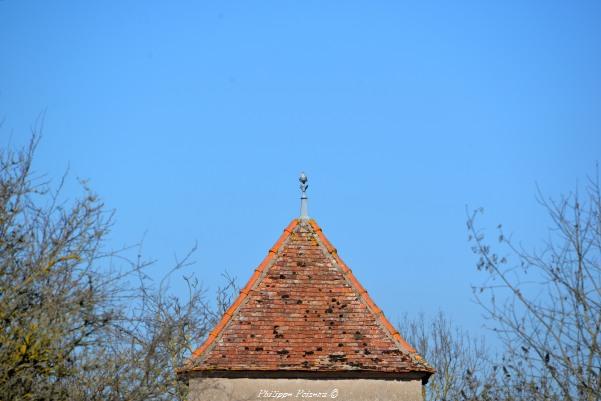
(303, 310)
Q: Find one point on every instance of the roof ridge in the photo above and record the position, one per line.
(387, 327)
(226, 318)
(371, 305)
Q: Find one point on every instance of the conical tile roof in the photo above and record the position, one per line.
(303, 310)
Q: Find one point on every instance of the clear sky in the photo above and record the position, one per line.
(193, 120)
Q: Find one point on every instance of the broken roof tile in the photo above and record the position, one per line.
(304, 310)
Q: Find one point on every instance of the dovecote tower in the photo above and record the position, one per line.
(304, 328)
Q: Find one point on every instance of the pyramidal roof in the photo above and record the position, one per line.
(304, 311)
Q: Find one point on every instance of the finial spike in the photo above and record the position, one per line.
(304, 212)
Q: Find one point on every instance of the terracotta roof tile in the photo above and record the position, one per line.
(304, 310)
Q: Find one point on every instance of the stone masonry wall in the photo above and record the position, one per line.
(244, 389)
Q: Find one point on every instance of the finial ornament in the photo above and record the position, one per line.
(304, 212)
(303, 180)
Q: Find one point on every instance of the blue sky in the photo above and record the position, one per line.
(193, 120)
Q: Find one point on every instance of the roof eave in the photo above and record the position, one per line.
(305, 374)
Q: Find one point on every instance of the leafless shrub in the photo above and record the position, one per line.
(545, 305)
(462, 361)
(78, 322)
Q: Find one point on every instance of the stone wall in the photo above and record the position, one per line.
(245, 389)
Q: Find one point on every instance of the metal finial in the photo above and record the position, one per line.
(304, 212)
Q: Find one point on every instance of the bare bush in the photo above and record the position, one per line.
(462, 362)
(545, 305)
(78, 322)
